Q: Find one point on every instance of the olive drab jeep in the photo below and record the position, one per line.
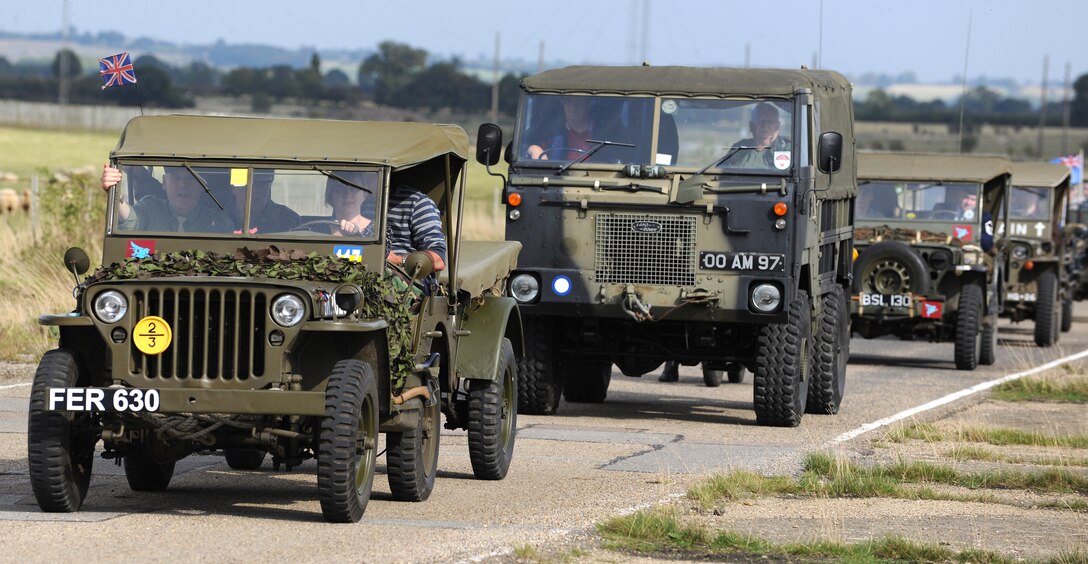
(657, 227)
(927, 265)
(236, 312)
(1040, 268)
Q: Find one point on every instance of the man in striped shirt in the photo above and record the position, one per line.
(414, 224)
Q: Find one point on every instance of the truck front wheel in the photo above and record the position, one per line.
(538, 381)
(347, 443)
(60, 444)
(783, 367)
(492, 419)
(832, 353)
(587, 380)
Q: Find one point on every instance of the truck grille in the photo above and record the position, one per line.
(218, 333)
(645, 249)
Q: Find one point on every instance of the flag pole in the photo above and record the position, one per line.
(139, 100)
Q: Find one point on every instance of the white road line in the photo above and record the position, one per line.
(951, 398)
(9, 386)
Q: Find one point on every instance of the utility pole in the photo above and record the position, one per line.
(747, 55)
(1042, 108)
(62, 68)
(495, 81)
(1066, 112)
(540, 58)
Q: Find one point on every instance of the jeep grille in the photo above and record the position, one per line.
(218, 333)
(630, 251)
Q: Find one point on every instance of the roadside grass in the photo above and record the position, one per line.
(929, 433)
(966, 453)
(664, 531)
(826, 476)
(26, 151)
(1074, 390)
(529, 553)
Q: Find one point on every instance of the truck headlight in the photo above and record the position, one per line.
(287, 310)
(110, 306)
(766, 298)
(524, 288)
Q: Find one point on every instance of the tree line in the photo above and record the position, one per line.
(403, 76)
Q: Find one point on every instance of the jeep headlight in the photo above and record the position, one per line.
(524, 288)
(766, 298)
(1020, 252)
(287, 310)
(110, 306)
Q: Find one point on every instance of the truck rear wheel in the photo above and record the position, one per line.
(347, 443)
(1047, 312)
(736, 375)
(538, 386)
(492, 419)
(1067, 315)
(832, 353)
(145, 474)
(60, 444)
(587, 380)
(412, 456)
(712, 378)
(783, 365)
(968, 320)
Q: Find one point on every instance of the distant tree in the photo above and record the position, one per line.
(337, 77)
(260, 103)
(443, 85)
(315, 63)
(388, 70)
(509, 93)
(154, 89)
(5, 67)
(1079, 106)
(197, 77)
(109, 38)
(244, 80)
(66, 59)
(283, 82)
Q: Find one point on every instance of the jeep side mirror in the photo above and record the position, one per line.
(419, 265)
(829, 153)
(76, 261)
(508, 156)
(488, 144)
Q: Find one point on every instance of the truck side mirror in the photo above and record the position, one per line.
(829, 153)
(508, 156)
(488, 144)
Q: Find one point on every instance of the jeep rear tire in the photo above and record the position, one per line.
(493, 418)
(783, 365)
(145, 474)
(1067, 315)
(244, 459)
(538, 387)
(60, 444)
(587, 380)
(832, 352)
(968, 322)
(1047, 311)
(347, 442)
(987, 354)
(412, 456)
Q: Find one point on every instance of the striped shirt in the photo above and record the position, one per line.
(414, 223)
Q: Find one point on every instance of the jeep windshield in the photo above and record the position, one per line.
(256, 202)
(742, 136)
(922, 202)
(558, 130)
(1029, 203)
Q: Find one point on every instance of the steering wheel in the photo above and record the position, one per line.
(305, 226)
(546, 151)
(944, 214)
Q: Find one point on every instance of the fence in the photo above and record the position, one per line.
(40, 115)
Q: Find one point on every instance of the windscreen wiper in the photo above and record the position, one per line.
(598, 145)
(728, 155)
(204, 184)
(344, 181)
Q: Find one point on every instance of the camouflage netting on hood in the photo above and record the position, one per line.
(875, 234)
(382, 298)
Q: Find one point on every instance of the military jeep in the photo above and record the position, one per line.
(270, 335)
(1040, 278)
(927, 266)
(669, 236)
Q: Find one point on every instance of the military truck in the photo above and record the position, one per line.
(1040, 282)
(669, 233)
(270, 334)
(927, 266)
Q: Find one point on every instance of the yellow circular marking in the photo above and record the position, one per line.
(152, 335)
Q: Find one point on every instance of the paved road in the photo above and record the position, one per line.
(643, 445)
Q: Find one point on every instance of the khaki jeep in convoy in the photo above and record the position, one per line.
(699, 215)
(927, 265)
(1040, 275)
(257, 323)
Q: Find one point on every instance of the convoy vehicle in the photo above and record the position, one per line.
(927, 265)
(283, 340)
(670, 233)
(1041, 276)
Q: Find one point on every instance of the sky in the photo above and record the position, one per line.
(1008, 39)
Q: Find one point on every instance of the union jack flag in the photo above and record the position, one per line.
(1075, 164)
(116, 70)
